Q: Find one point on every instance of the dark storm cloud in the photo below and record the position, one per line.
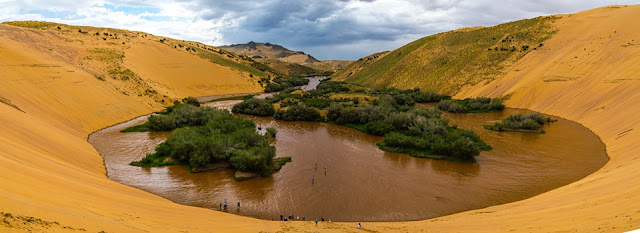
(367, 26)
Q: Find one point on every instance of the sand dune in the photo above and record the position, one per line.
(587, 72)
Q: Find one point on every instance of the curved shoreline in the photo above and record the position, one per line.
(606, 153)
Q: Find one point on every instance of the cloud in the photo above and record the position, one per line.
(327, 29)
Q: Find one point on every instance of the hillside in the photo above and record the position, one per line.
(139, 64)
(53, 180)
(447, 61)
(284, 60)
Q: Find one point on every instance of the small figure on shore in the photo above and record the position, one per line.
(325, 171)
(238, 204)
(316, 222)
(220, 205)
(281, 217)
(304, 218)
(322, 219)
(315, 165)
(297, 218)
(313, 178)
(359, 226)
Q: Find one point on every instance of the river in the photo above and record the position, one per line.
(361, 182)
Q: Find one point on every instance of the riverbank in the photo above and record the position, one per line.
(518, 167)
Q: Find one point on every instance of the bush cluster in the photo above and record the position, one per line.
(479, 104)
(254, 106)
(299, 112)
(222, 137)
(416, 131)
(182, 115)
(281, 83)
(484, 104)
(527, 121)
(405, 129)
(451, 106)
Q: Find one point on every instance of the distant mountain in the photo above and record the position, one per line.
(267, 50)
(285, 60)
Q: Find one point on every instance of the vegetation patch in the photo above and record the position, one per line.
(205, 136)
(281, 83)
(472, 105)
(384, 112)
(181, 114)
(32, 24)
(524, 122)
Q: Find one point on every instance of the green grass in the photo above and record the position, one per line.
(469, 110)
(32, 24)
(137, 128)
(359, 127)
(426, 154)
(279, 162)
(447, 61)
(154, 161)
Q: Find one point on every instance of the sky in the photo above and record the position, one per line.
(326, 29)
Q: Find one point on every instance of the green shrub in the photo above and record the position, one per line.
(220, 139)
(426, 97)
(299, 112)
(272, 131)
(379, 128)
(450, 106)
(527, 121)
(258, 159)
(281, 83)
(422, 126)
(255, 107)
(191, 100)
(461, 148)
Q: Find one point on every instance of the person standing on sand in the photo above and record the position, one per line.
(316, 222)
(313, 178)
(221, 205)
(238, 204)
(325, 171)
(359, 226)
(315, 165)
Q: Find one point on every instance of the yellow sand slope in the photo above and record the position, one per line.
(588, 72)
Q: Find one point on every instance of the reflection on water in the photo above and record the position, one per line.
(363, 183)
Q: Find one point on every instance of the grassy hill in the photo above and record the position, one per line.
(127, 60)
(447, 61)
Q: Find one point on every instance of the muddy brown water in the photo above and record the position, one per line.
(363, 183)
